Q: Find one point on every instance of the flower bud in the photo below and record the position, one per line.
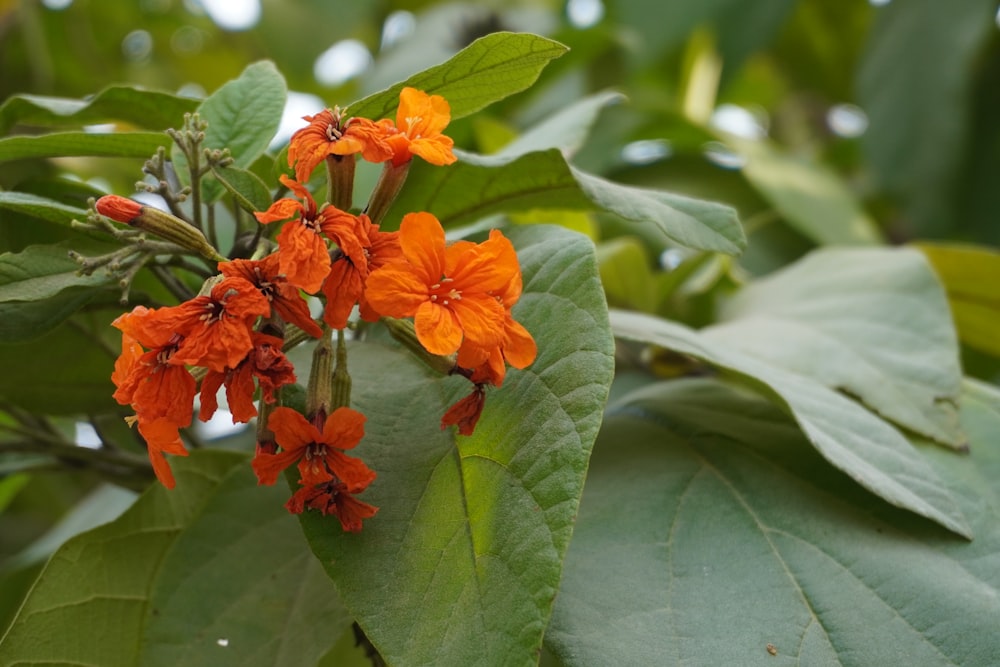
(155, 221)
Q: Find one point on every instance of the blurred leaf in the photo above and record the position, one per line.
(243, 115)
(40, 207)
(970, 275)
(22, 321)
(39, 288)
(60, 372)
(854, 440)
(809, 196)
(914, 85)
(873, 322)
(628, 282)
(659, 26)
(477, 186)
(488, 70)
(67, 144)
(42, 271)
(246, 187)
(463, 559)
(9, 487)
(744, 28)
(708, 531)
(150, 109)
(103, 504)
(566, 130)
(201, 575)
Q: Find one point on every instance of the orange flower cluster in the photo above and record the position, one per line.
(215, 331)
(459, 296)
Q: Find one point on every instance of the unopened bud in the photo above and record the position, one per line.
(161, 223)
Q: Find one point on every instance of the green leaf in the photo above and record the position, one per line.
(628, 282)
(809, 196)
(150, 109)
(103, 504)
(853, 439)
(243, 115)
(464, 557)
(918, 112)
(24, 321)
(477, 186)
(42, 271)
(9, 488)
(488, 70)
(708, 531)
(214, 572)
(873, 322)
(566, 130)
(63, 371)
(246, 187)
(40, 208)
(39, 288)
(970, 275)
(93, 144)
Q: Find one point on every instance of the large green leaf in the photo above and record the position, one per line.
(873, 322)
(488, 70)
(40, 287)
(214, 572)
(914, 84)
(71, 144)
(710, 534)
(462, 561)
(150, 109)
(477, 186)
(970, 275)
(64, 371)
(40, 207)
(243, 115)
(850, 437)
(42, 271)
(808, 195)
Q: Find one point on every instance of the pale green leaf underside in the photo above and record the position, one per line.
(477, 186)
(871, 321)
(461, 563)
(709, 531)
(243, 115)
(850, 437)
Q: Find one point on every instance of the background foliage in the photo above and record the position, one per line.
(792, 206)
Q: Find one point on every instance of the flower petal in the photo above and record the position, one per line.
(437, 328)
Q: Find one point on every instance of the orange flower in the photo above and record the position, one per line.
(327, 134)
(449, 291)
(149, 381)
(285, 298)
(419, 122)
(320, 454)
(302, 254)
(465, 413)
(161, 437)
(266, 362)
(215, 328)
(332, 498)
(345, 284)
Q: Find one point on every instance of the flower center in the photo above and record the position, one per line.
(443, 294)
(410, 122)
(332, 133)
